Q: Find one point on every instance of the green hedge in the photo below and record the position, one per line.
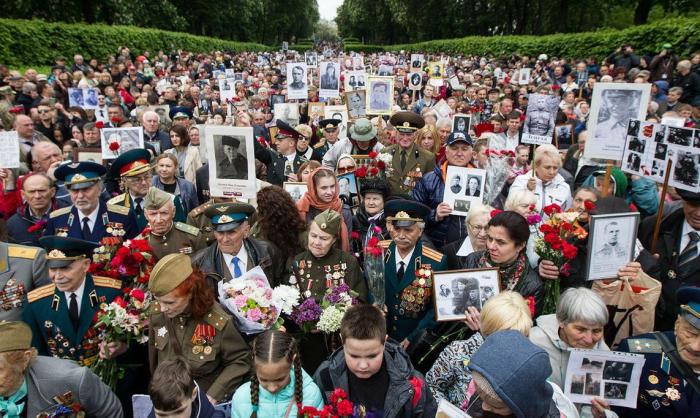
(682, 33)
(34, 42)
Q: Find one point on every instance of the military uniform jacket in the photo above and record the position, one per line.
(124, 200)
(181, 238)
(213, 347)
(22, 269)
(196, 218)
(410, 302)
(48, 377)
(418, 163)
(52, 330)
(119, 220)
(662, 390)
(275, 168)
(313, 276)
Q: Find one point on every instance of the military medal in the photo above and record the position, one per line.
(671, 274)
(673, 394)
(197, 349)
(207, 350)
(162, 331)
(653, 379)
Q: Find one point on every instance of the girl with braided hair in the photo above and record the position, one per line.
(279, 387)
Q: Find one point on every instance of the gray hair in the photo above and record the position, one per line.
(443, 123)
(477, 210)
(676, 89)
(547, 150)
(581, 304)
(28, 87)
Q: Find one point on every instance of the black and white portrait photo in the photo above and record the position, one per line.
(461, 205)
(686, 170)
(468, 188)
(295, 189)
(297, 85)
(473, 186)
(563, 135)
(415, 81)
(288, 112)
(356, 104)
(347, 189)
(276, 98)
(633, 162)
(416, 61)
(75, 97)
(660, 152)
(354, 80)
(456, 184)
(578, 381)
(461, 123)
(311, 59)
(680, 136)
(436, 69)
(615, 390)
(611, 243)
(455, 291)
(381, 95)
(330, 75)
(524, 76)
(592, 387)
(618, 370)
(539, 119)
(633, 127)
(116, 141)
(636, 144)
(231, 161)
(385, 70)
(90, 96)
(613, 105)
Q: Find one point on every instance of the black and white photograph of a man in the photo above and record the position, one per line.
(461, 289)
(356, 104)
(330, 73)
(633, 162)
(660, 153)
(231, 162)
(611, 243)
(686, 169)
(311, 59)
(416, 60)
(612, 246)
(618, 107)
(386, 70)
(380, 96)
(618, 370)
(297, 88)
(456, 184)
(473, 186)
(541, 111)
(466, 294)
(461, 124)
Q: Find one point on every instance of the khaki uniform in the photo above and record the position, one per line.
(22, 269)
(182, 238)
(419, 162)
(313, 276)
(197, 218)
(213, 347)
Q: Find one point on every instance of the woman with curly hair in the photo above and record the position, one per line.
(276, 208)
(187, 320)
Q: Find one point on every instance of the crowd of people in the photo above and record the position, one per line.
(69, 218)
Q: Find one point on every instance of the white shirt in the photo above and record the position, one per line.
(92, 218)
(406, 260)
(242, 261)
(133, 199)
(685, 238)
(78, 295)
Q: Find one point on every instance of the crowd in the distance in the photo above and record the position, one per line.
(79, 231)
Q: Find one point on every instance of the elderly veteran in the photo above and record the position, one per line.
(233, 253)
(22, 269)
(31, 384)
(362, 140)
(134, 169)
(187, 321)
(330, 129)
(163, 234)
(88, 217)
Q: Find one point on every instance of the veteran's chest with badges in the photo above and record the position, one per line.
(312, 277)
(65, 407)
(11, 295)
(418, 294)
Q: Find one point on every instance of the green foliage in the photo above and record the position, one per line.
(25, 42)
(682, 33)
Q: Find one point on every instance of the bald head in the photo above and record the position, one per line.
(24, 126)
(45, 154)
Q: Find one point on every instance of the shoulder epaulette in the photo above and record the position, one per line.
(432, 254)
(116, 200)
(643, 345)
(217, 317)
(122, 210)
(59, 212)
(199, 210)
(21, 251)
(187, 228)
(41, 292)
(385, 244)
(319, 145)
(106, 282)
(154, 308)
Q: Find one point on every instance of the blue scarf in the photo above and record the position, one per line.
(9, 406)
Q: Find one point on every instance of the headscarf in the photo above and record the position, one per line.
(310, 200)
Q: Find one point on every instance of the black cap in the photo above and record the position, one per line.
(230, 140)
(459, 137)
(403, 213)
(285, 130)
(62, 251)
(689, 197)
(330, 124)
(407, 121)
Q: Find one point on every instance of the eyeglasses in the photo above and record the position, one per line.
(42, 111)
(343, 170)
(478, 228)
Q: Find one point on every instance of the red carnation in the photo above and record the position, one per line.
(495, 212)
(116, 119)
(551, 238)
(138, 295)
(569, 251)
(532, 207)
(381, 165)
(375, 251)
(372, 154)
(589, 205)
(354, 235)
(99, 124)
(361, 172)
(337, 395)
(531, 304)
(119, 301)
(373, 242)
(552, 209)
(546, 228)
(344, 407)
(114, 146)
(373, 171)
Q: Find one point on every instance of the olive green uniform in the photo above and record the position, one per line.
(181, 238)
(213, 347)
(197, 218)
(419, 162)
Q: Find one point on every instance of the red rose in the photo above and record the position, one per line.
(589, 205)
(372, 154)
(114, 146)
(138, 295)
(569, 251)
(381, 165)
(495, 212)
(361, 172)
(99, 124)
(116, 119)
(373, 171)
(119, 301)
(552, 209)
(546, 228)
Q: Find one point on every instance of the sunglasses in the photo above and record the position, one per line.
(343, 170)
(42, 111)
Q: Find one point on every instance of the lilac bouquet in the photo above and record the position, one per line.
(326, 317)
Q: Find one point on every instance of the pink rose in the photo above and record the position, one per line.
(240, 301)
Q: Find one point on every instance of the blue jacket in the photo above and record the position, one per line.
(429, 191)
(275, 405)
(642, 192)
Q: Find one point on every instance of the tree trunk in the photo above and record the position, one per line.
(641, 12)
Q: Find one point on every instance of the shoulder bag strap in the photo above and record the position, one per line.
(672, 354)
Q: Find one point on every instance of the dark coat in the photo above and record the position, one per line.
(161, 137)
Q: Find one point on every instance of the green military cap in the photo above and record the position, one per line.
(168, 273)
(6, 90)
(329, 221)
(407, 121)
(14, 335)
(156, 198)
(228, 216)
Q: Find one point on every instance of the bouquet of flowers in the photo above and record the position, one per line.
(133, 260)
(561, 236)
(254, 303)
(339, 406)
(378, 166)
(374, 266)
(500, 163)
(309, 315)
(125, 319)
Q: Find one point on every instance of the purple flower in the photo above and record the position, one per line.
(334, 296)
(534, 219)
(308, 311)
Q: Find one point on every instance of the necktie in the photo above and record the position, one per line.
(236, 268)
(691, 250)
(73, 310)
(10, 407)
(403, 160)
(137, 206)
(402, 271)
(102, 113)
(86, 229)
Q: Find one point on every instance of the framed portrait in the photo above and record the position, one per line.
(610, 244)
(330, 79)
(288, 112)
(461, 123)
(417, 61)
(311, 59)
(538, 128)
(75, 97)
(295, 189)
(339, 112)
(163, 112)
(355, 80)
(227, 89)
(116, 141)
(231, 161)
(230, 72)
(316, 109)
(612, 107)
(415, 80)
(436, 69)
(92, 154)
(386, 70)
(297, 81)
(348, 190)
(9, 150)
(524, 76)
(356, 102)
(463, 187)
(276, 98)
(456, 290)
(358, 63)
(563, 135)
(381, 95)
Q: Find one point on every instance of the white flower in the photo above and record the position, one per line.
(285, 298)
(330, 319)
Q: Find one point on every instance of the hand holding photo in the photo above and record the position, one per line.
(611, 244)
(454, 291)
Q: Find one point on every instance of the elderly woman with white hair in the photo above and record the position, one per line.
(524, 202)
(544, 179)
(477, 221)
(578, 323)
